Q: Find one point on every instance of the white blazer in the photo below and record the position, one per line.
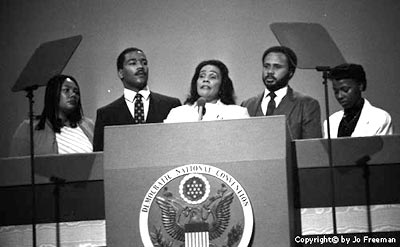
(373, 121)
(217, 111)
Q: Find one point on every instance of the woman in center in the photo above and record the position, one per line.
(211, 87)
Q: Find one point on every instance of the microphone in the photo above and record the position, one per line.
(201, 102)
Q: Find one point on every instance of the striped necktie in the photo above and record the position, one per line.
(139, 110)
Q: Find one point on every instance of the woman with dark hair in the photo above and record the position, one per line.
(210, 84)
(61, 128)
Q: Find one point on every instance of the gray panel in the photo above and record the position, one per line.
(348, 151)
(261, 138)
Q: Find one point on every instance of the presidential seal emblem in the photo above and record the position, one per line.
(196, 205)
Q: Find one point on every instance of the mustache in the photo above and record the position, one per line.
(141, 72)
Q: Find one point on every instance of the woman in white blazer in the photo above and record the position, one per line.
(358, 117)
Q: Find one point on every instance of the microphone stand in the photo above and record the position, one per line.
(325, 71)
(49, 59)
(32, 160)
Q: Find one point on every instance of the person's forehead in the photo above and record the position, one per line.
(344, 82)
(210, 68)
(135, 55)
(276, 57)
(69, 83)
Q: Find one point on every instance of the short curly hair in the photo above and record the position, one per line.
(349, 71)
(121, 56)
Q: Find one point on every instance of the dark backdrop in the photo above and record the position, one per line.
(177, 34)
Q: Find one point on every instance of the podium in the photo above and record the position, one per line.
(256, 155)
(366, 180)
(251, 153)
(69, 195)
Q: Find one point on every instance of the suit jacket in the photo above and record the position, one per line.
(117, 113)
(303, 113)
(373, 121)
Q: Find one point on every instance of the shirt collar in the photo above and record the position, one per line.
(280, 93)
(130, 94)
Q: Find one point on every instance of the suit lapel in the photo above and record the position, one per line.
(255, 109)
(125, 115)
(152, 109)
(286, 105)
(363, 120)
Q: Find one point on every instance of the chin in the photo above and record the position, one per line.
(272, 87)
(141, 84)
(203, 94)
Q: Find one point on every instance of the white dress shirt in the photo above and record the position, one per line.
(279, 96)
(129, 96)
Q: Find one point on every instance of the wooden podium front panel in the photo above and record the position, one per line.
(253, 151)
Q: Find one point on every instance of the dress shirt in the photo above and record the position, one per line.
(129, 96)
(280, 93)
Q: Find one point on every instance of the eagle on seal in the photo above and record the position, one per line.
(175, 214)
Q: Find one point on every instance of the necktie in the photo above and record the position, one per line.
(271, 104)
(139, 110)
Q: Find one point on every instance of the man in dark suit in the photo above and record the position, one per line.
(302, 112)
(138, 104)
